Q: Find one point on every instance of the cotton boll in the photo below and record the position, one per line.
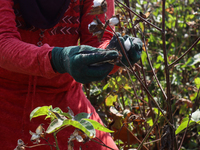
(92, 23)
(127, 44)
(186, 35)
(97, 3)
(113, 21)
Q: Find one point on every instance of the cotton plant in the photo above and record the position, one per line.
(85, 128)
(99, 7)
(96, 27)
(20, 145)
(39, 132)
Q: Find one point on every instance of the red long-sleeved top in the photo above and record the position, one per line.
(27, 79)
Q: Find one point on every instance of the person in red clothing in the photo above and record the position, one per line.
(41, 64)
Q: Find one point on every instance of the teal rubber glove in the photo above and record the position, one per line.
(84, 63)
(132, 46)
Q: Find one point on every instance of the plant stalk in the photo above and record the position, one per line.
(55, 137)
(145, 88)
(142, 143)
(169, 115)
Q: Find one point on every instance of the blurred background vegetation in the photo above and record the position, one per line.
(123, 104)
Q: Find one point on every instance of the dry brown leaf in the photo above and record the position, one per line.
(182, 101)
(146, 15)
(99, 9)
(170, 10)
(191, 23)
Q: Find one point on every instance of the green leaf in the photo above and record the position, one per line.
(110, 99)
(150, 122)
(127, 87)
(67, 115)
(196, 115)
(40, 111)
(54, 125)
(184, 125)
(89, 127)
(197, 82)
(156, 111)
(98, 126)
(80, 116)
(76, 124)
(194, 60)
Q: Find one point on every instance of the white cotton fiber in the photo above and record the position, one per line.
(127, 44)
(97, 3)
(113, 21)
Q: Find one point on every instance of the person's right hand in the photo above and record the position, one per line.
(131, 45)
(81, 62)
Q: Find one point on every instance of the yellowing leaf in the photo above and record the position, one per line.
(110, 99)
(197, 82)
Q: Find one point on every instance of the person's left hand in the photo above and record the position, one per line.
(132, 46)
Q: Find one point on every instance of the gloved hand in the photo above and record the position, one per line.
(84, 63)
(132, 46)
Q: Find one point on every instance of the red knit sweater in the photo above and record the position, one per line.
(27, 79)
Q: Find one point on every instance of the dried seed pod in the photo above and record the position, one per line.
(20, 145)
(97, 28)
(99, 7)
(39, 132)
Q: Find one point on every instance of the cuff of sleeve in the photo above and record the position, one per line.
(56, 60)
(115, 68)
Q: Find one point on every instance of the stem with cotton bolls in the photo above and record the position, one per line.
(145, 88)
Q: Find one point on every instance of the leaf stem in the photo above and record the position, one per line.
(55, 137)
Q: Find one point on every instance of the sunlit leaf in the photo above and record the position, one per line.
(76, 124)
(80, 116)
(197, 82)
(67, 115)
(40, 111)
(184, 125)
(98, 126)
(89, 128)
(110, 99)
(55, 124)
(150, 122)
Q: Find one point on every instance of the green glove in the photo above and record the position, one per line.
(84, 63)
(132, 46)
